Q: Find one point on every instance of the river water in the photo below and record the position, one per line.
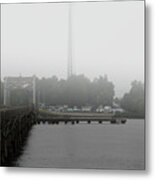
(100, 146)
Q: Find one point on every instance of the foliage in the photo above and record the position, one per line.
(76, 91)
(133, 102)
(80, 91)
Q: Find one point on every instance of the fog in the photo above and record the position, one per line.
(107, 38)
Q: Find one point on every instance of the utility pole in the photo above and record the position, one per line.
(70, 56)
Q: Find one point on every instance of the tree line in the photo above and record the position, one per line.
(79, 91)
(134, 101)
(76, 91)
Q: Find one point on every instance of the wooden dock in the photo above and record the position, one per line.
(75, 118)
(15, 126)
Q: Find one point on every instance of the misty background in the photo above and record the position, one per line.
(106, 39)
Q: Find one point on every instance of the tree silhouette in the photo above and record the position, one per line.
(134, 100)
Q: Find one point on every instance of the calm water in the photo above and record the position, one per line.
(106, 146)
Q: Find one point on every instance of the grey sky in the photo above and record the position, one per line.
(108, 38)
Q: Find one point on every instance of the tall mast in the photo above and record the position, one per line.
(70, 65)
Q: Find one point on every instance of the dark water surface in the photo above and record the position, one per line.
(107, 146)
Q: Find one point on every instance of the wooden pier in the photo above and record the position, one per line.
(15, 126)
(75, 118)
